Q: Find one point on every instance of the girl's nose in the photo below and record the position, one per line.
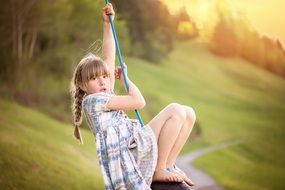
(101, 81)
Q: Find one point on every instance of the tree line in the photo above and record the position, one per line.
(152, 28)
(49, 33)
(42, 41)
(234, 36)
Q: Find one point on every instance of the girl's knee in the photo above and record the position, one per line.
(177, 111)
(190, 114)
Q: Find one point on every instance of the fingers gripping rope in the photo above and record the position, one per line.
(121, 60)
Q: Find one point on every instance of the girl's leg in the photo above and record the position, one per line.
(166, 126)
(183, 135)
(179, 143)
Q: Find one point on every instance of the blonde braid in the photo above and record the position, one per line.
(77, 95)
(77, 85)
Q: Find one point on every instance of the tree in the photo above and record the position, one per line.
(233, 36)
(224, 40)
(20, 27)
(151, 27)
(186, 28)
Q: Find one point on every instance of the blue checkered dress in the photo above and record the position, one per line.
(127, 152)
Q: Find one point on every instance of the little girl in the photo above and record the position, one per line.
(130, 156)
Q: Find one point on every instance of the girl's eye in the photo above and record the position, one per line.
(94, 78)
(104, 76)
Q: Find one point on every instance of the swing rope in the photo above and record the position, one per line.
(121, 62)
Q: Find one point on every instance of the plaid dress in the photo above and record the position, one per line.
(127, 152)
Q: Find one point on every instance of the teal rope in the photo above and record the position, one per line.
(121, 62)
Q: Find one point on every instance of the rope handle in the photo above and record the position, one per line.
(121, 61)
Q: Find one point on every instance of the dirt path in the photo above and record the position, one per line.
(202, 180)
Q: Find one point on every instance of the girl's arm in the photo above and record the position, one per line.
(108, 47)
(134, 99)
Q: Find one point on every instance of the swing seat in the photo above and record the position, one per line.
(169, 186)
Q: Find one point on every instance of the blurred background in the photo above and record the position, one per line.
(224, 58)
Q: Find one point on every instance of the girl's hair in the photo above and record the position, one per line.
(89, 67)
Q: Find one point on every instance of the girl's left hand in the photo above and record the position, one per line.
(119, 73)
(108, 10)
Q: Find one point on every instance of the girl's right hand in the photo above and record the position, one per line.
(119, 73)
(108, 10)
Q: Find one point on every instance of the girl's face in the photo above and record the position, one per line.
(98, 84)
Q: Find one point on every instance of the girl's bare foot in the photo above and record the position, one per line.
(179, 172)
(166, 176)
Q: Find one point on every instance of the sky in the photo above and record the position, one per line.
(266, 16)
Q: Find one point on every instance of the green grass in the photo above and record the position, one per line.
(233, 100)
(39, 153)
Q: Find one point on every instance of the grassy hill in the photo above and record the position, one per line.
(233, 101)
(39, 153)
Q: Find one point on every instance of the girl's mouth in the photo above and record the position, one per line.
(103, 90)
